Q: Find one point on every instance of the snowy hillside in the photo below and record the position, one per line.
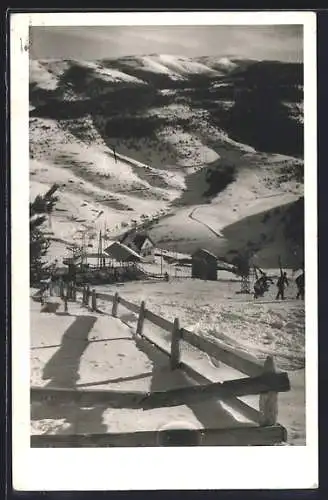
(191, 148)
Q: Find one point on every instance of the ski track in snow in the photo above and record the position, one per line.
(192, 217)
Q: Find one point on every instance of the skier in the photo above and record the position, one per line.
(44, 288)
(261, 285)
(300, 283)
(282, 281)
(258, 290)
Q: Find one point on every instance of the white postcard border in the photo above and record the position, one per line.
(152, 468)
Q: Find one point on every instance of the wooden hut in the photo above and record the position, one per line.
(141, 243)
(122, 254)
(204, 265)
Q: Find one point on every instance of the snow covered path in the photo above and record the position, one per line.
(192, 216)
(84, 349)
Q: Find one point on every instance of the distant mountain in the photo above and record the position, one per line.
(138, 137)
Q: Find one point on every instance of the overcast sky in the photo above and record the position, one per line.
(278, 42)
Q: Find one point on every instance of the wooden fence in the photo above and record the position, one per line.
(262, 379)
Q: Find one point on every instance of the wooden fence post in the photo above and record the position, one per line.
(87, 295)
(269, 400)
(65, 299)
(175, 345)
(141, 318)
(115, 304)
(93, 300)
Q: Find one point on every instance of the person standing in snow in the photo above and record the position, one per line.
(261, 284)
(300, 283)
(281, 283)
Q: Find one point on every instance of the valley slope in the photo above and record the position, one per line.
(203, 152)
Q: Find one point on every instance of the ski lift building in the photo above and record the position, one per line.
(204, 265)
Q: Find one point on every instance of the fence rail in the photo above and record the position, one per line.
(236, 436)
(239, 361)
(174, 397)
(129, 305)
(159, 321)
(262, 379)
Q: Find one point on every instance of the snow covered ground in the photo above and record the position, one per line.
(87, 350)
(216, 309)
(159, 177)
(93, 351)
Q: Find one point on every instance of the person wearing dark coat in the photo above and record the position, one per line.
(300, 283)
(281, 283)
(261, 285)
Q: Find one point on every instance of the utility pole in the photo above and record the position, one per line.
(99, 253)
(82, 249)
(161, 261)
(176, 261)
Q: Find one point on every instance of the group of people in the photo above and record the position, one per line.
(261, 285)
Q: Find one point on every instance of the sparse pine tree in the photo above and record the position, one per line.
(40, 208)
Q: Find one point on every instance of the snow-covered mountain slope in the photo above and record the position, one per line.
(138, 138)
(172, 66)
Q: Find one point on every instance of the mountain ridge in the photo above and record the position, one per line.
(122, 138)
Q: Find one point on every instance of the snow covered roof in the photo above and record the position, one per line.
(121, 252)
(206, 252)
(136, 239)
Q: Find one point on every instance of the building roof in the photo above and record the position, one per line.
(136, 239)
(120, 252)
(95, 255)
(206, 252)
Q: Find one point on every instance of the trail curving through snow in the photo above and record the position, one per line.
(192, 217)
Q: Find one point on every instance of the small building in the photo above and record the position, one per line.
(140, 243)
(204, 265)
(122, 254)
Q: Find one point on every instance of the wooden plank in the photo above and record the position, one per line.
(236, 404)
(175, 345)
(115, 304)
(129, 305)
(105, 296)
(141, 318)
(175, 397)
(165, 349)
(238, 436)
(93, 300)
(248, 411)
(159, 321)
(238, 360)
(269, 400)
(87, 296)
